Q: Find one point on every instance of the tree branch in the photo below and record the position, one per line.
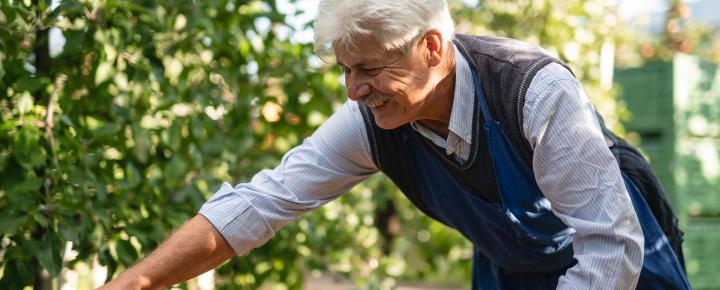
(49, 120)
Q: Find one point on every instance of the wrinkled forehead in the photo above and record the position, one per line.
(362, 50)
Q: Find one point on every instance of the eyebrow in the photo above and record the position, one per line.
(360, 64)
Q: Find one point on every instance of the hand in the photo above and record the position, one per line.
(176, 260)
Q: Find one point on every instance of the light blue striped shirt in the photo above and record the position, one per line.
(572, 164)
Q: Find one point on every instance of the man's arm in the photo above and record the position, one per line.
(581, 179)
(237, 219)
(194, 249)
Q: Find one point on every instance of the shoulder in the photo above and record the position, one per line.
(555, 94)
(508, 50)
(552, 78)
(550, 73)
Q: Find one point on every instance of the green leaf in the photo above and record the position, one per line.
(142, 143)
(25, 103)
(17, 275)
(132, 175)
(103, 72)
(2, 70)
(50, 253)
(28, 150)
(66, 7)
(10, 224)
(71, 228)
(107, 130)
(30, 84)
(106, 259)
(126, 252)
(40, 219)
(67, 121)
(146, 231)
(9, 12)
(73, 42)
(4, 157)
(23, 191)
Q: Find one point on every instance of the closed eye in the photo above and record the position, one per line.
(373, 70)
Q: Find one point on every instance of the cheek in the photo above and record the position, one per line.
(398, 86)
(420, 79)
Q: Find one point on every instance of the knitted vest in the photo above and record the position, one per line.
(506, 68)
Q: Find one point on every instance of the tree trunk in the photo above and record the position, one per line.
(41, 49)
(387, 223)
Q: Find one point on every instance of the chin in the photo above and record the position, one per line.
(387, 124)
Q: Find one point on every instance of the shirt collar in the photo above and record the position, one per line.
(463, 99)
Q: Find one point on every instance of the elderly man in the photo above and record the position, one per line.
(490, 136)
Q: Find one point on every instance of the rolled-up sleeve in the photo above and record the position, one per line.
(580, 177)
(324, 166)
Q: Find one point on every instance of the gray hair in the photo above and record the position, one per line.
(395, 24)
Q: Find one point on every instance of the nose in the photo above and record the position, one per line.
(357, 88)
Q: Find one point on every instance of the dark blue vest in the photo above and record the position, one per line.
(493, 199)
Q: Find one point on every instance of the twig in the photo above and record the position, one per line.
(49, 120)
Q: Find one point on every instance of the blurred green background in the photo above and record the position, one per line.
(119, 118)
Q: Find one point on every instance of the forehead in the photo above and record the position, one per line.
(361, 51)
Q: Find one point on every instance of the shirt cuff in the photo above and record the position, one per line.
(236, 219)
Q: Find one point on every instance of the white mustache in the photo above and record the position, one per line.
(378, 99)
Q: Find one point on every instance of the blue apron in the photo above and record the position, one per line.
(519, 243)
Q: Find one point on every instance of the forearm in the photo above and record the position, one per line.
(194, 249)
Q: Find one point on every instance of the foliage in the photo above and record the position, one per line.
(682, 34)
(574, 31)
(119, 137)
(122, 136)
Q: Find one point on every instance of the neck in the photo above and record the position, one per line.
(442, 97)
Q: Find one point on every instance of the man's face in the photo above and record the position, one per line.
(395, 86)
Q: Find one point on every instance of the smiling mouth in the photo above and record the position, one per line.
(378, 101)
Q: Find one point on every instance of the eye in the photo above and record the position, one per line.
(373, 71)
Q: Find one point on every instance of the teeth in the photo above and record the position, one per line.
(373, 103)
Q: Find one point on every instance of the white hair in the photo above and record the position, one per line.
(393, 23)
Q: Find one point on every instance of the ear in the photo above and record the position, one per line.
(434, 46)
